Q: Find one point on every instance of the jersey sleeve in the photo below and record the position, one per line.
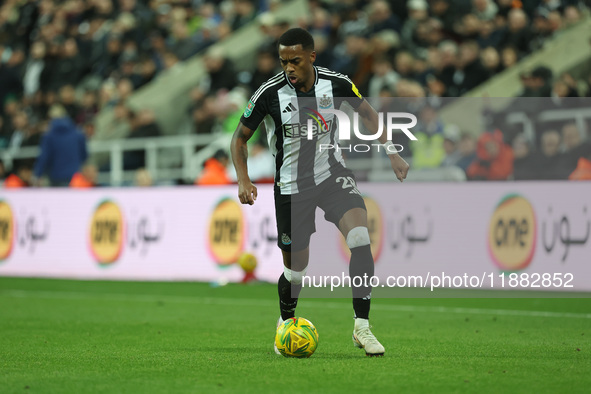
(349, 92)
(255, 111)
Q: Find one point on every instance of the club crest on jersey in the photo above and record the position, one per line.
(325, 102)
(285, 240)
(249, 108)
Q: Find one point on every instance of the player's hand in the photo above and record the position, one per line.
(247, 192)
(400, 166)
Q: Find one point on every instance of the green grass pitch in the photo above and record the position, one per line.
(59, 336)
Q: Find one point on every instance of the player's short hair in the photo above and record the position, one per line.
(297, 36)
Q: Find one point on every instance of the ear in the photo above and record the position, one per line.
(312, 56)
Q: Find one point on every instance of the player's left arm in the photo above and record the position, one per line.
(370, 120)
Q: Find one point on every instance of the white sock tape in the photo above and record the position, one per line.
(294, 277)
(358, 236)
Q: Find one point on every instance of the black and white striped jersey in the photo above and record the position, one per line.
(299, 161)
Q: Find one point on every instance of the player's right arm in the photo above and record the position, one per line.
(247, 192)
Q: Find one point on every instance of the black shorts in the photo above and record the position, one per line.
(335, 196)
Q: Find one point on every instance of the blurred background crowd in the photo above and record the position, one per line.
(64, 61)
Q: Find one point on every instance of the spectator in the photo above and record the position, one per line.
(417, 13)
(550, 163)
(182, 44)
(143, 125)
(537, 83)
(524, 163)
(348, 56)
(517, 33)
(446, 13)
(572, 16)
(383, 77)
(63, 149)
(468, 27)
(143, 178)
(220, 73)
(583, 170)
(70, 68)
(491, 61)
(215, 170)
(108, 60)
(35, 77)
(35, 133)
(170, 60)
(10, 82)
(88, 108)
(384, 44)
(67, 97)
(469, 71)
(245, 11)
(494, 159)
(318, 25)
(485, 10)
(489, 35)
(20, 178)
(203, 112)
(86, 178)
(266, 67)
(574, 147)
(403, 65)
(324, 52)
(428, 150)
(22, 130)
(509, 57)
(546, 24)
(128, 69)
(120, 126)
(563, 87)
(124, 89)
(381, 17)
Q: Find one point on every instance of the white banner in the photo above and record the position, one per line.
(500, 235)
(488, 230)
(136, 234)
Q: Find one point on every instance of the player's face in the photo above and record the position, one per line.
(297, 64)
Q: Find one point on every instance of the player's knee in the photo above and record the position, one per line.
(358, 236)
(294, 277)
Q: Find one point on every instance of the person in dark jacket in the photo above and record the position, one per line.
(63, 149)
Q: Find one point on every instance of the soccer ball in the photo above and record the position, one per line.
(248, 262)
(296, 337)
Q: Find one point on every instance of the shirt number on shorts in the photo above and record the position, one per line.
(349, 183)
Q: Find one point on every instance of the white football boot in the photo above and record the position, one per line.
(279, 321)
(364, 339)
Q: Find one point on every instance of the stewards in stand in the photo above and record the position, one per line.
(215, 170)
(86, 178)
(494, 159)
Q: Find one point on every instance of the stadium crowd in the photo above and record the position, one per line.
(75, 58)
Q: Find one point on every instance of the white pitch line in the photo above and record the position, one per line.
(272, 303)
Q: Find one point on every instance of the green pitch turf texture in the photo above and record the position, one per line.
(60, 336)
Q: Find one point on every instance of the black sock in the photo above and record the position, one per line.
(287, 303)
(361, 264)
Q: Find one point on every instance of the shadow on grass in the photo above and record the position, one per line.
(257, 351)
